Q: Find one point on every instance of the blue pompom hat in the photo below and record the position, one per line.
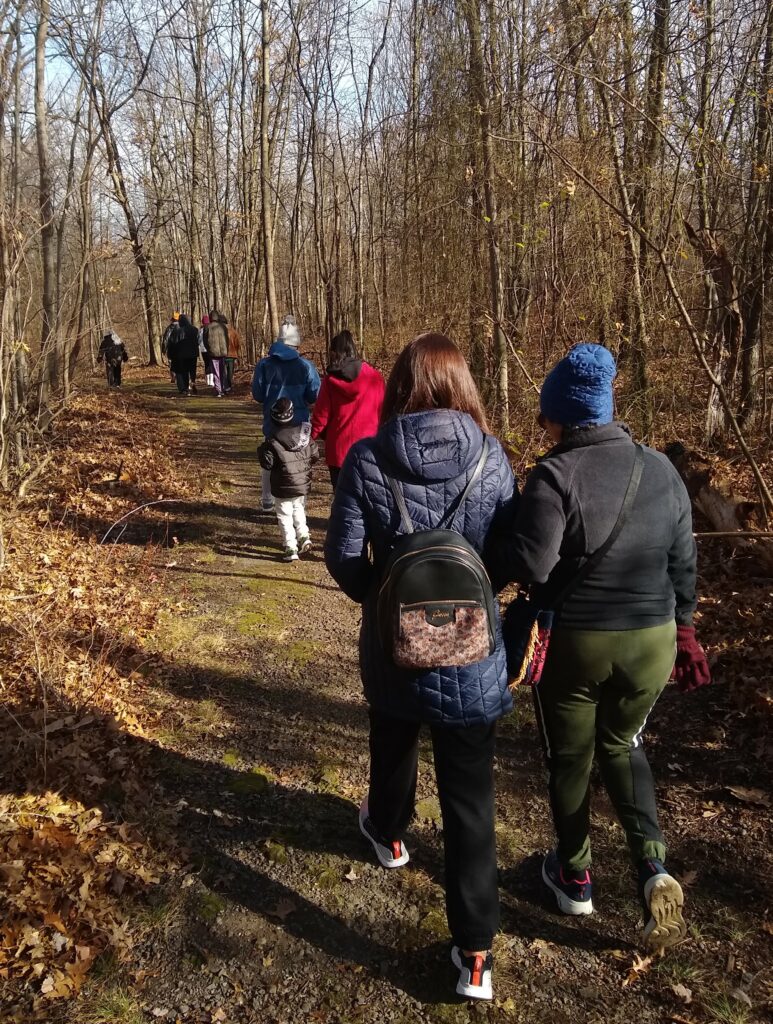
(578, 391)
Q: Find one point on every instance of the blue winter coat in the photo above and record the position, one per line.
(284, 374)
(432, 454)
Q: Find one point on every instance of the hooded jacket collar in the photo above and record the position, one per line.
(583, 437)
(294, 439)
(431, 446)
(282, 351)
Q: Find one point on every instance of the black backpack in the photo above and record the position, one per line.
(435, 605)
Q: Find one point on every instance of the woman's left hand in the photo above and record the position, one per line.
(691, 668)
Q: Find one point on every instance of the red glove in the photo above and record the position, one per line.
(691, 668)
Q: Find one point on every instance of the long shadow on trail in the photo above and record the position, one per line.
(213, 811)
(199, 571)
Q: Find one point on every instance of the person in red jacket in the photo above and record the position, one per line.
(349, 402)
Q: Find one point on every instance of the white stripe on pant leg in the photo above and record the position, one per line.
(541, 723)
(636, 741)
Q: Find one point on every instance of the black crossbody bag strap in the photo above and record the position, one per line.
(449, 517)
(598, 554)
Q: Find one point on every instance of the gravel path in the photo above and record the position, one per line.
(260, 762)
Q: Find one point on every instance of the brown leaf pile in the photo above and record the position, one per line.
(64, 870)
(112, 458)
(74, 689)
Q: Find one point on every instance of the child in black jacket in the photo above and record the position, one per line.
(289, 455)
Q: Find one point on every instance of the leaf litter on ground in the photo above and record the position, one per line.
(73, 677)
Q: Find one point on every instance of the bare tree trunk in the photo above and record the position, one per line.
(265, 171)
(651, 149)
(48, 343)
(141, 259)
(83, 298)
(760, 235)
(479, 88)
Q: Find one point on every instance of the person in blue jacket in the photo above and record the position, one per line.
(284, 374)
(430, 440)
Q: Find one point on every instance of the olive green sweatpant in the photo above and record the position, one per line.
(596, 691)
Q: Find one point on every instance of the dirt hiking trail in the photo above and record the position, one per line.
(256, 773)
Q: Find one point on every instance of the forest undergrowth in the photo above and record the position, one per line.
(81, 591)
(74, 613)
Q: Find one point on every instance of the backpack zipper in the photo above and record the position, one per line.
(439, 547)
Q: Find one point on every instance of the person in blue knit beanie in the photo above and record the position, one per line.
(578, 390)
(618, 634)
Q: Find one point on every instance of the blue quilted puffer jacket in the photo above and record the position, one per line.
(432, 454)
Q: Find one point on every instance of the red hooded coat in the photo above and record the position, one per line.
(348, 408)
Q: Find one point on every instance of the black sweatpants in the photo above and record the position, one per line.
(185, 374)
(334, 472)
(464, 767)
(113, 374)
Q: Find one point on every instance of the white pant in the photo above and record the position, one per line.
(291, 515)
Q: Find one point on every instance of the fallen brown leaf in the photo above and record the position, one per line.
(639, 966)
(758, 797)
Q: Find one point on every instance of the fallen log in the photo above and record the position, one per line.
(728, 514)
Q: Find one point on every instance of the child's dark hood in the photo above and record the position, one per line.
(348, 370)
(294, 439)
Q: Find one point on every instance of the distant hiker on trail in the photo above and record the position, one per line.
(169, 340)
(616, 630)
(114, 353)
(234, 353)
(287, 455)
(183, 356)
(208, 375)
(284, 374)
(216, 343)
(349, 402)
(431, 467)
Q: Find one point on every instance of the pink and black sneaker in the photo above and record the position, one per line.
(573, 889)
(390, 852)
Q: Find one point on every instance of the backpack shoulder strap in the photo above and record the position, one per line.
(400, 500)
(450, 516)
(625, 510)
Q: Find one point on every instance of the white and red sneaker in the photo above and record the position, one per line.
(474, 974)
(390, 853)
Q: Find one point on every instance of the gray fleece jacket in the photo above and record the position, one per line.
(567, 510)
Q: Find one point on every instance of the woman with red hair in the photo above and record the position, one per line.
(433, 446)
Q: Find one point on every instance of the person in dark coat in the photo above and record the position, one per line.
(617, 634)
(169, 340)
(183, 356)
(113, 351)
(216, 343)
(349, 402)
(288, 456)
(430, 439)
